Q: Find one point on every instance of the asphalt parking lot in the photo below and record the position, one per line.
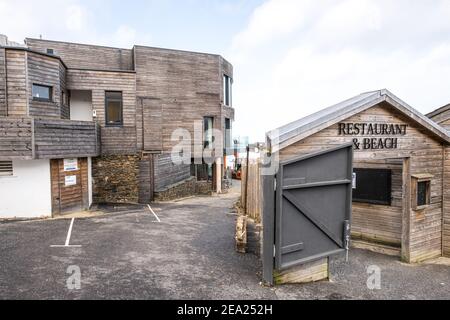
(189, 254)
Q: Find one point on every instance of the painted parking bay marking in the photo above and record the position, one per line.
(69, 234)
(151, 210)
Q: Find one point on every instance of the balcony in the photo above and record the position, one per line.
(28, 138)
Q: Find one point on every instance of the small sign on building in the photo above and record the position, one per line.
(70, 181)
(353, 180)
(71, 164)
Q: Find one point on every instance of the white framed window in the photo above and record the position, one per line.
(6, 168)
(227, 90)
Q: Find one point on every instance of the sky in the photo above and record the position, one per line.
(290, 57)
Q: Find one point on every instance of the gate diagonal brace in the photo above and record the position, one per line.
(310, 217)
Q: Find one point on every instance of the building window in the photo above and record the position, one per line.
(208, 123)
(42, 93)
(6, 168)
(227, 137)
(227, 90)
(372, 186)
(50, 51)
(421, 185)
(113, 108)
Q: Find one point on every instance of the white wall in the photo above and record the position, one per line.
(81, 105)
(26, 194)
(90, 180)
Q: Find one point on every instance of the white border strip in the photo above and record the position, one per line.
(153, 213)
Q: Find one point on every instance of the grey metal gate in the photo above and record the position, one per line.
(307, 216)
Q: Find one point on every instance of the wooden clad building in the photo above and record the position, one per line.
(400, 169)
(111, 115)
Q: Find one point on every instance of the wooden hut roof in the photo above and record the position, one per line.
(307, 126)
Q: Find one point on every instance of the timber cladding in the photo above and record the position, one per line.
(16, 140)
(176, 88)
(69, 188)
(114, 140)
(426, 156)
(16, 79)
(446, 218)
(3, 106)
(77, 55)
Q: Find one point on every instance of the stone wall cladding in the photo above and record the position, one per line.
(184, 189)
(116, 179)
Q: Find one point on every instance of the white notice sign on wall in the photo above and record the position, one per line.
(71, 164)
(70, 180)
(354, 180)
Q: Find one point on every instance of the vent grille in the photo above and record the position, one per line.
(6, 168)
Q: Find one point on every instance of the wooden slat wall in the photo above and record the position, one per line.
(166, 173)
(44, 70)
(16, 138)
(67, 199)
(115, 140)
(16, 84)
(58, 138)
(152, 124)
(146, 179)
(3, 109)
(186, 87)
(426, 157)
(251, 191)
(446, 219)
(86, 56)
(380, 223)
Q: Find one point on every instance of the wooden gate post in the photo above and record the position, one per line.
(268, 220)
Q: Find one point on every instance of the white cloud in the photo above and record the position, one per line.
(338, 49)
(76, 18)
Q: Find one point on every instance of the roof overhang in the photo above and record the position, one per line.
(298, 130)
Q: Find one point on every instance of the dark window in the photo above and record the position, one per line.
(208, 123)
(41, 92)
(113, 108)
(423, 198)
(6, 168)
(373, 186)
(227, 84)
(50, 51)
(227, 137)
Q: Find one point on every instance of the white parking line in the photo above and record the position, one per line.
(69, 234)
(150, 208)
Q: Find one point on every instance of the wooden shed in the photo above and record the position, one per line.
(401, 179)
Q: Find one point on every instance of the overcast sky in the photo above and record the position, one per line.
(290, 57)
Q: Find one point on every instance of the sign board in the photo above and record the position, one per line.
(373, 136)
(70, 180)
(71, 164)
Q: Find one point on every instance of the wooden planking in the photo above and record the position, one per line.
(115, 140)
(167, 173)
(3, 106)
(152, 124)
(308, 272)
(251, 190)
(77, 55)
(65, 138)
(16, 138)
(67, 199)
(146, 178)
(45, 70)
(186, 87)
(426, 157)
(446, 215)
(16, 83)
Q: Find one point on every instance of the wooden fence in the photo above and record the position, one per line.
(251, 192)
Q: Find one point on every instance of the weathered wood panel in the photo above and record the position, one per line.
(77, 55)
(146, 178)
(115, 140)
(3, 107)
(152, 124)
(426, 156)
(16, 83)
(44, 70)
(251, 191)
(65, 138)
(186, 86)
(167, 173)
(446, 218)
(69, 198)
(16, 138)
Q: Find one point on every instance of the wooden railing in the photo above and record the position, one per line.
(28, 138)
